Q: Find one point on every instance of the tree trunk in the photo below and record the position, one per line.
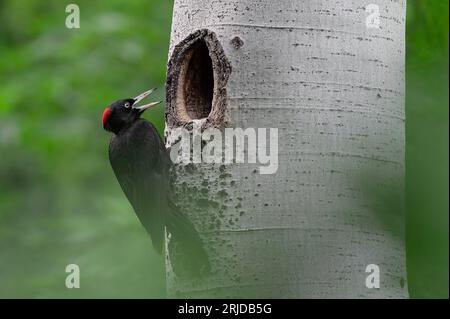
(331, 80)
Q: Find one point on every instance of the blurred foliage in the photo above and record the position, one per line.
(427, 161)
(59, 200)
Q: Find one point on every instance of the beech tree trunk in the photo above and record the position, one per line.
(332, 82)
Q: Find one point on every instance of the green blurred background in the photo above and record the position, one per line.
(59, 200)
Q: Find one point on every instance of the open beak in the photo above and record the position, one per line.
(142, 96)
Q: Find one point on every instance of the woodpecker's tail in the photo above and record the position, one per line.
(186, 250)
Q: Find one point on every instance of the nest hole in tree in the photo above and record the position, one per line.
(197, 84)
(198, 72)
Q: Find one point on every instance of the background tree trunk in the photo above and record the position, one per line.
(334, 88)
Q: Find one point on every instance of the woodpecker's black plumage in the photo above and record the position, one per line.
(142, 166)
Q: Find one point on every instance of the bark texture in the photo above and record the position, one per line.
(334, 88)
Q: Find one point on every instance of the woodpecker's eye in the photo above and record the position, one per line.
(127, 104)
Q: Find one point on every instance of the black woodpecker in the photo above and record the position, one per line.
(142, 166)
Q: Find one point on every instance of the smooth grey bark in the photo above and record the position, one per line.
(334, 88)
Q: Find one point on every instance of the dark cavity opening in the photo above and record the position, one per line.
(197, 75)
(198, 81)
